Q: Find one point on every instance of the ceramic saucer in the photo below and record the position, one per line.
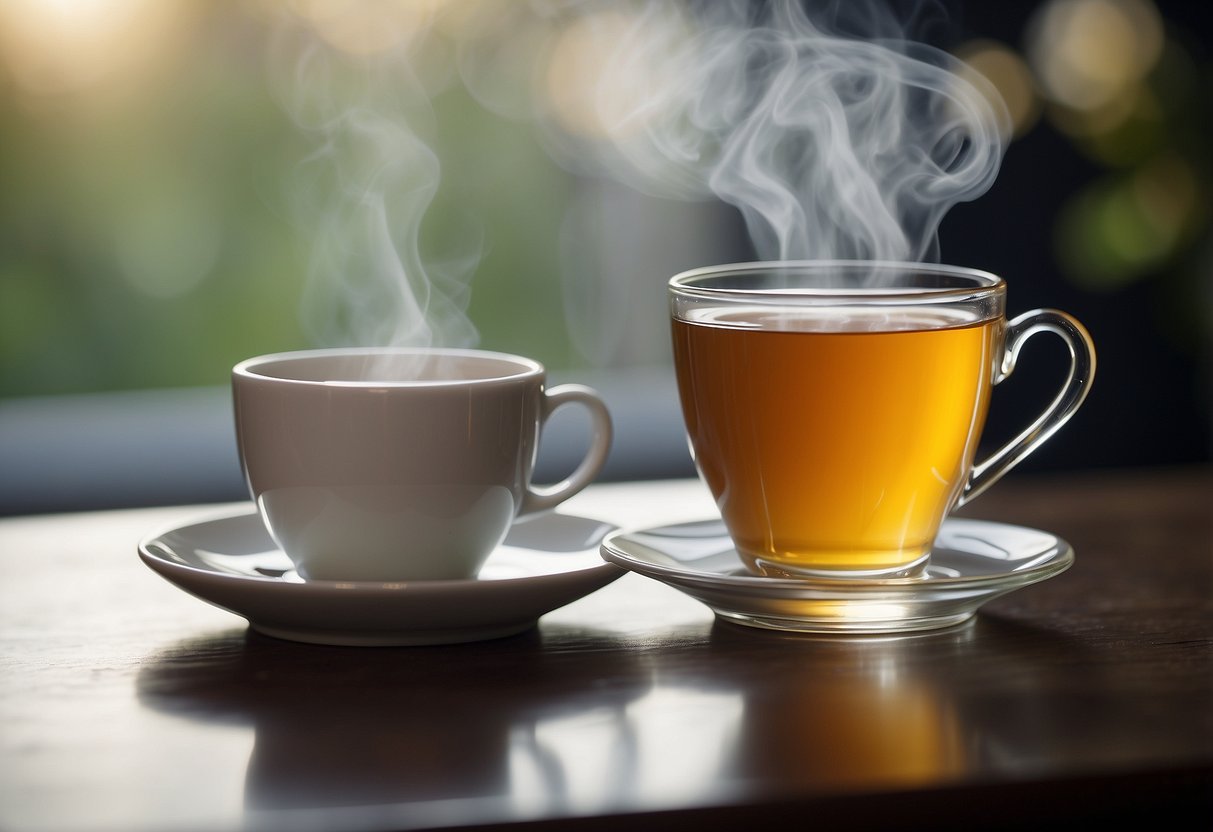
(973, 562)
(546, 562)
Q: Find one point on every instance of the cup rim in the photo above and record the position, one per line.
(249, 367)
(984, 283)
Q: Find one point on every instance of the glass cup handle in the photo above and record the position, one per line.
(1072, 394)
(602, 433)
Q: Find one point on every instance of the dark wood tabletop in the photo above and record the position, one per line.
(127, 704)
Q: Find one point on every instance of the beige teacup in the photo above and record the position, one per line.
(377, 464)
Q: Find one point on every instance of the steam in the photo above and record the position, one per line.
(834, 135)
(360, 197)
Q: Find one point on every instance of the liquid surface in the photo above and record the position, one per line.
(834, 442)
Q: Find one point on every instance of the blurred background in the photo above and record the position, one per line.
(173, 187)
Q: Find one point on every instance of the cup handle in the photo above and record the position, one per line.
(1071, 395)
(545, 497)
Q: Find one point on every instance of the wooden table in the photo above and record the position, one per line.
(126, 704)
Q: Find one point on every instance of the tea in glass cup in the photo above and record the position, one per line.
(834, 408)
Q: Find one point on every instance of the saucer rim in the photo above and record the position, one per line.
(1062, 559)
(843, 607)
(391, 614)
(156, 562)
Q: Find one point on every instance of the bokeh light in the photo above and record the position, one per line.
(367, 27)
(1133, 101)
(577, 82)
(59, 47)
(1089, 53)
(1122, 227)
(1008, 74)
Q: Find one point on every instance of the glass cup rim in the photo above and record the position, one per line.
(983, 284)
(259, 368)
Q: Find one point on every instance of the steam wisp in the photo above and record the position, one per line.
(360, 198)
(834, 134)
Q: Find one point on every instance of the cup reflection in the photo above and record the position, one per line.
(568, 721)
(431, 731)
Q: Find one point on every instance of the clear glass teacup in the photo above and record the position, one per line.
(834, 408)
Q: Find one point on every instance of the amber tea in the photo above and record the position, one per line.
(834, 441)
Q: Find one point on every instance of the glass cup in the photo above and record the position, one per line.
(834, 408)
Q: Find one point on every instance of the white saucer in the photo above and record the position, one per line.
(545, 562)
(973, 562)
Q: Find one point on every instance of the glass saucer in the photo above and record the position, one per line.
(973, 562)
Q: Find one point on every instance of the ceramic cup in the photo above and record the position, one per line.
(834, 408)
(400, 464)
